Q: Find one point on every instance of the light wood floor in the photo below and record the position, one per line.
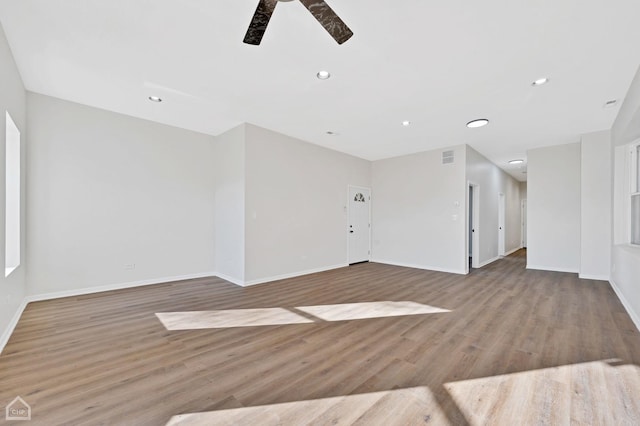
(502, 345)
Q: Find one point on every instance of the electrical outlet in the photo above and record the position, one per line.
(130, 266)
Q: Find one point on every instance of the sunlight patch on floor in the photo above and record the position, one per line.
(588, 393)
(398, 406)
(195, 320)
(366, 310)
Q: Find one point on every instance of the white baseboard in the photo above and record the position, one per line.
(512, 251)
(424, 267)
(552, 269)
(293, 275)
(4, 339)
(486, 262)
(627, 306)
(232, 280)
(120, 286)
(593, 277)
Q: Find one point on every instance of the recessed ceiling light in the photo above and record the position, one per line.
(540, 81)
(516, 161)
(474, 124)
(155, 99)
(611, 103)
(406, 123)
(330, 133)
(323, 75)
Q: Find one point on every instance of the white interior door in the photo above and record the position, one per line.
(359, 235)
(501, 233)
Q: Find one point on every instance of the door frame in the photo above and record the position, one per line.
(523, 223)
(502, 224)
(475, 237)
(349, 187)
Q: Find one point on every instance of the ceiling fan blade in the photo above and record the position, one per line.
(260, 20)
(328, 19)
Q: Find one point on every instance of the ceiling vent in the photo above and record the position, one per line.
(447, 157)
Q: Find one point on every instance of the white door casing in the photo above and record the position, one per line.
(474, 224)
(359, 224)
(524, 222)
(501, 224)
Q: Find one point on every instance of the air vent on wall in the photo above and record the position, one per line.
(447, 157)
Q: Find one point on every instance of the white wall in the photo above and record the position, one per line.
(13, 288)
(596, 175)
(492, 181)
(229, 183)
(553, 186)
(626, 128)
(625, 259)
(621, 189)
(523, 230)
(419, 211)
(523, 190)
(296, 197)
(625, 278)
(106, 190)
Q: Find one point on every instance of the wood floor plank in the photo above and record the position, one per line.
(507, 346)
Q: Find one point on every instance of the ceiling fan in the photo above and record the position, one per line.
(318, 8)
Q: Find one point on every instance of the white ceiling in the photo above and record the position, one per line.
(437, 64)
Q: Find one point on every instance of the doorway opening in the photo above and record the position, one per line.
(524, 223)
(501, 224)
(473, 228)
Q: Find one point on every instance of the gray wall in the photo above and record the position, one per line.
(596, 206)
(419, 211)
(553, 207)
(13, 288)
(296, 216)
(625, 259)
(106, 190)
(228, 163)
